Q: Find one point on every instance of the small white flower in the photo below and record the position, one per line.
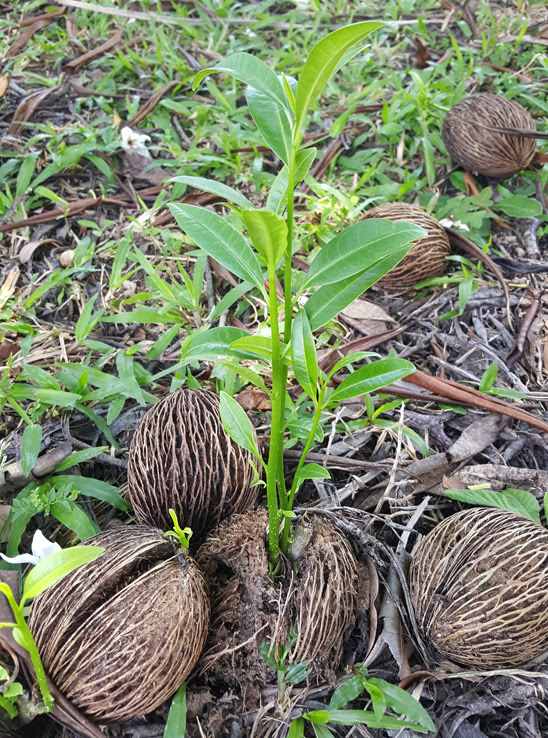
(451, 223)
(40, 547)
(133, 141)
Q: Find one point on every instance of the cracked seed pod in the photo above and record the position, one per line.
(182, 458)
(471, 137)
(479, 586)
(119, 635)
(427, 257)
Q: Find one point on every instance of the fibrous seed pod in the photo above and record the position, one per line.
(119, 635)
(471, 137)
(182, 458)
(479, 587)
(427, 258)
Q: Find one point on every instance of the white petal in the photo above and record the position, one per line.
(41, 547)
(21, 559)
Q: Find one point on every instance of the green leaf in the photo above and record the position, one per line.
(258, 345)
(219, 239)
(120, 258)
(278, 192)
(272, 120)
(215, 188)
(358, 248)
(303, 355)
(30, 447)
(518, 501)
(92, 488)
(268, 233)
(488, 377)
(317, 716)
(68, 513)
(364, 717)
(25, 174)
(372, 377)
(251, 71)
(55, 567)
(246, 373)
(237, 424)
(312, 471)
(328, 301)
(208, 345)
(519, 206)
(326, 57)
(320, 731)
(377, 699)
(296, 673)
(404, 704)
(346, 692)
(176, 719)
(296, 729)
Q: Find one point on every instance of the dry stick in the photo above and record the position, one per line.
(392, 477)
(519, 344)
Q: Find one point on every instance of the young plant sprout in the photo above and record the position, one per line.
(345, 267)
(51, 563)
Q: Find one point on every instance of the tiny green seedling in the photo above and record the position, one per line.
(183, 535)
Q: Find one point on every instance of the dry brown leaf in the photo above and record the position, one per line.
(452, 483)
(149, 106)
(26, 109)
(7, 349)
(254, 399)
(75, 64)
(8, 287)
(368, 318)
(29, 248)
(4, 84)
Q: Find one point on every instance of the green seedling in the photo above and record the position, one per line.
(49, 568)
(343, 269)
(9, 692)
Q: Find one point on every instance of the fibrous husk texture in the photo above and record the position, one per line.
(427, 257)
(472, 143)
(320, 601)
(119, 635)
(479, 586)
(182, 458)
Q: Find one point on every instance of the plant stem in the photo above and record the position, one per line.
(309, 441)
(275, 457)
(27, 641)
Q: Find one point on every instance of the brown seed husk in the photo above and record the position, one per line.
(321, 600)
(472, 143)
(182, 458)
(479, 586)
(427, 258)
(119, 635)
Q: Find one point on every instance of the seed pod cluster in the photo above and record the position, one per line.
(119, 635)
(182, 458)
(479, 587)
(427, 257)
(471, 137)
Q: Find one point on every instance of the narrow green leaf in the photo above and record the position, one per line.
(518, 501)
(372, 377)
(126, 372)
(25, 174)
(268, 233)
(296, 729)
(30, 447)
(79, 456)
(328, 301)
(219, 239)
(212, 343)
(258, 345)
(92, 488)
(277, 197)
(364, 717)
(312, 471)
(360, 247)
(321, 731)
(303, 355)
(176, 719)
(246, 373)
(251, 71)
(56, 397)
(70, 514)
(237, 424)
(317, 716)
(215, 188)
(326, 57)
(272, 120)
(489, 376)
(86, 323)
(346, 692)
(120, 257)
(55, 567)
(404, 704)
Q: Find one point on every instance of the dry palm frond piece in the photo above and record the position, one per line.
(479, 586)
